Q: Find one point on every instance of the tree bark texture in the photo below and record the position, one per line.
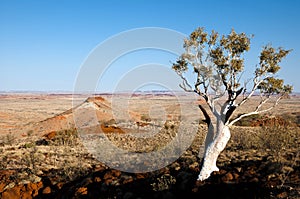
(216, 139)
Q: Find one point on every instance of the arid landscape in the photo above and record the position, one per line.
(47, 140)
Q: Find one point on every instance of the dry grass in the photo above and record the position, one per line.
(64, 152)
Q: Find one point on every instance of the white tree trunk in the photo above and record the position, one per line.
(216, 140)
(209, 136)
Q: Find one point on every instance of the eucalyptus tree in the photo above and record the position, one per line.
(218, 65)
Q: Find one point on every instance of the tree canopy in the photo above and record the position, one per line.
(218, 62)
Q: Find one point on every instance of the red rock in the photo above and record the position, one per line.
(142, 124)
(61, 117)
(111, 129)
(39, 186)
(50, 135)
(59, 185)
(4, 178)
(97, 179)
(26, 195)
(107, 176)
(31, 189)
(112, 174)
(27, 191)
(99, 168)
(140, 176)
(2, 185)
(282, 195)
(81, 191)
(47, 190)
(116, 173)
(221, 172)
(128, 180)
(227, 177)
(236, 176)
(165, 170)
(14, 193)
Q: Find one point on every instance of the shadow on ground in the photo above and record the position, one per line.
(246, 179)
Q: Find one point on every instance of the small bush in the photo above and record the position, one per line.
(7, 139)
(146, 118)
(163, 183)
(29, 145)
(244, 140)
(67, 137)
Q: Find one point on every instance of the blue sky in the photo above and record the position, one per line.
(43, 44)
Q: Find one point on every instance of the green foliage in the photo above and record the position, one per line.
(212, 56)
(218, 62)
(67, 137)
(235, 43)
(271, 85)
(180, 66)
(270, 59)
(29, 145)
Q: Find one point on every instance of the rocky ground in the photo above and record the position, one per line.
(52, 159)
(58, 166)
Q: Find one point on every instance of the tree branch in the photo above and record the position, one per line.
(242, 116)
(207, 118)
(188, 88)
(256, 84)
(270, 108)
(185, 83)
(257, 111)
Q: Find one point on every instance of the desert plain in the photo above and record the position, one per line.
(55, 146)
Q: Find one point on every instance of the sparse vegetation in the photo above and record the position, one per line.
(278, 138)
(164, 182)
(7, 139)
(266, 157)
(68, 137)
(273, 139)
